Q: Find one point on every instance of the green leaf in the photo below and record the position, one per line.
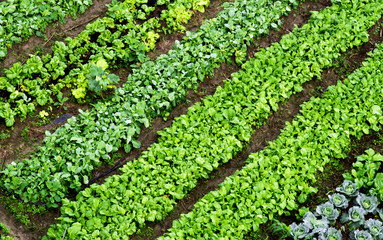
(136, 144)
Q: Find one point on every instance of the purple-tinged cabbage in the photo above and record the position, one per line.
(360, 235)
(375, 227)
(330, 234)
(339, 200)
(299, 231)
(315, 224)
(355, 215)
(348, 188)
(328, 211)
(368, 203)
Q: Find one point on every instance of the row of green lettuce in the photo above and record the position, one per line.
(80, 64)
(354, 206)
(276, 180)
(67, 157)
(20, 19)
(212, 131)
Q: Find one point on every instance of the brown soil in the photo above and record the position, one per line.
(56, 31)
(271, 130)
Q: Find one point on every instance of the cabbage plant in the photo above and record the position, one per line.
(375, 227)
(355, 215)
(315, 224)
(299, 231)
(328, 211)
(330, 234)
(339, 200)
(360, 235)
(368, 203)
(348, 188)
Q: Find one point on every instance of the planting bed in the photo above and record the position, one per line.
(133, 129)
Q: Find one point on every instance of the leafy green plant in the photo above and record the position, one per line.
(3, 229)
(375, 228)
(330, 234)
(300, 231)
(100, 81)
(328, 211)
(348, 188)
(339, 200)
(360, 235)
(368, 203)
(355, 216)
(4, 134)
(4, 232)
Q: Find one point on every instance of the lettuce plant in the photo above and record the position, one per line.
(330, 234)
(355, 216)
(360, 235)
(368, 203)
(348, 188)
(375, 227)
(339, 200)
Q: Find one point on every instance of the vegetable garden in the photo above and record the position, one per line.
(192, 119)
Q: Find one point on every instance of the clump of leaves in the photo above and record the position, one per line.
(348, 188)
(375, 228)
(339, 200)
(299, 231)
(355, 216)
(328, 211)
(360, 235)
(99, 80)
(330, 234)
(368, 203)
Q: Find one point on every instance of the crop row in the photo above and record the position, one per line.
(214, 130)
(67, 157)
(281, 176)
(21, 19)
(81, 63)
